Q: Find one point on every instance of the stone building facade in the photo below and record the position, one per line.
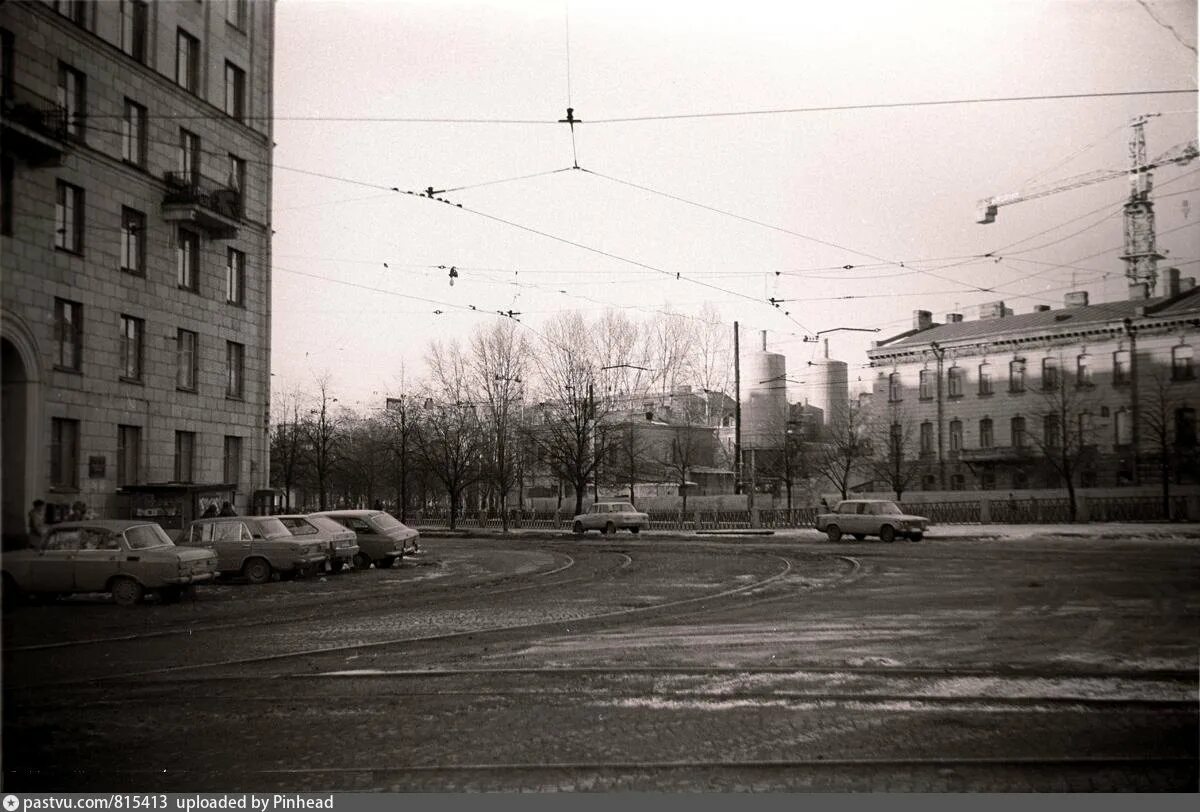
(136, 248)
(984, 404)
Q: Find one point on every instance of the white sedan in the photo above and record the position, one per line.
(871, 517)
(609, 517)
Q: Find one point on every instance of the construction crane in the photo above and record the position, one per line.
(1141, 255)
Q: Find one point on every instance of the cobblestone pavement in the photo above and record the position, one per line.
(1038, 664)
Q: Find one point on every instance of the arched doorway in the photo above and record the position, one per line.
(14, 421)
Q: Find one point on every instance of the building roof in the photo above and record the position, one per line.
(1068, 318)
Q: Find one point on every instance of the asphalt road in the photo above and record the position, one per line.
(647, 663)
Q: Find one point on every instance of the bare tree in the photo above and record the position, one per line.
(844, 448)
(322, 434)
(363, 463)
(691, 443)
(1166, 436)
(893, 457)
(567, 435)
(794, 463)
(499, 355)
(398, 417)
(709, 362)
(629, 454)
(1066, 437)
(288, 443)
(448, 437)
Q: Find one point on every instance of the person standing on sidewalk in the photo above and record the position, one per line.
(37, 523)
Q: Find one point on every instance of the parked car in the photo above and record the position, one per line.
(343, 544)
(609, 517)
(871, 517)
(124, 557)
(255, 547)
(382, 538)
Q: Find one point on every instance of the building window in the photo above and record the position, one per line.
(185, 360)
(1051, 431)
(926, 438)
(925, 384)
(233, 460)
(189, 157)
(1049, 373)
(235, 356)
(894, 387)
(987, 438)
(955, 378)
(74, 10)
(68, 218)
(72, 98)
(1121, 367)
(987, 480)
(1020, 480)
(185, 455)
(132, 330)
(1181, 364)
(1018, 432)
(1185, 427)
(1016, 375)
(985, 379)
(1123, 425)
(1087, 429)
(928, 482)
(129, 455)
(235, 277)
(6, 195)
(133, 241)
(235, 13)
(1083, 370)
(64, 454)
(958, 482)
(68, 335)
(133, 134)
(187, 260)
(235, 91)
(956, 435)
(187, 61)
(133, 28)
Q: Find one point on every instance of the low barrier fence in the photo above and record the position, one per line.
(983, 511)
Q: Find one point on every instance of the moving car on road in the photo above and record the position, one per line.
(871, 517)
(382, 538)
(609, 517)
(256, 547)
(126, 558)
(341, 540)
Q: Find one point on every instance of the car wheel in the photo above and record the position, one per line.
(385, 563)
(257, 571)
(916, 537)
(887, 533)
(610, 529)
(11, 592)
(859, 536)
(833, 533)
(577, 528)
(126, 591)
(338, 565)
(634, 530)
(362, 561)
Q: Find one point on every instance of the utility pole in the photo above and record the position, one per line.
(737, 413)
(595, 438)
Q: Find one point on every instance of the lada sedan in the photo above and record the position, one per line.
(871, 517)
(382, 538)
(126, 558)
(609, 517)
(343, 544)
(256, 547)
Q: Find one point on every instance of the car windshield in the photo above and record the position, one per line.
(272, 528)
(145, 536)
(385, 521)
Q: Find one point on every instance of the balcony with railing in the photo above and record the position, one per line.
(1000, 453)
(35, 127)
(210, 205)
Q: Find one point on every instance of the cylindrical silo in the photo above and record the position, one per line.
(764, 399)
(828, 386)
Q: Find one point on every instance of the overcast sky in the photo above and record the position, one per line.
(870, 188)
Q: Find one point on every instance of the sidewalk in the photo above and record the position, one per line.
(958, 532)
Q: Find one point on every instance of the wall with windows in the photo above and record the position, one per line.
(1002, 409)
(93, 260)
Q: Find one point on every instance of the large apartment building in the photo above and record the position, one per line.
(984, 404)
(136, 245)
